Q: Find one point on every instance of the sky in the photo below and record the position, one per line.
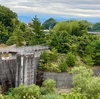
(55, 8)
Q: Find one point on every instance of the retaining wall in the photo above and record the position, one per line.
(63, 80)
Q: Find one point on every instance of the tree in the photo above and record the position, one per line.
(8, 24)
(72, 27)
(93, 50)
(70, 59)
(17, 37)
(6, 17)
(38, 35)
(60, 41)
(3, 33)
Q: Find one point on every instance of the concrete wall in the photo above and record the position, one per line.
(63, 80)
(7, 74)
(96, 71)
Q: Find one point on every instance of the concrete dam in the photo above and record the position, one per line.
(19, 66)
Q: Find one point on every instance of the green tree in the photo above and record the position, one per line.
(93, 50)
(3, 33)
(38, 35)
(60, 41)
(70, 59)
(63, 65)
(6, 17)
(16, 38)
(49, 86)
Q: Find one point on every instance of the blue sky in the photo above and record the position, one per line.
(55, 8)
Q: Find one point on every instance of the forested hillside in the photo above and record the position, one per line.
(69, 37)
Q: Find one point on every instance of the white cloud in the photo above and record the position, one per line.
(62, 8)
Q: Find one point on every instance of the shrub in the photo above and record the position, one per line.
(52, 67)
(83, 80)
(53, 54)
(63, 65)
(45, 57)
(44, 60)
(70, 59)
(81, 75)
(93, 87)
(48, 86)
(26, 92)
(88, 60)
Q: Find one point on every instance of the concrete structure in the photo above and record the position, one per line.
(96, 33)
(20, 66)
(63, 80)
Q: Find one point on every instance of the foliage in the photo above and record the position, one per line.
(81, 75)
(83, 42)
(46, 61)
(3, 33)
(71, 96)
(16, 38)
(73, 49)
(45, 56)
(38, 35)
(73, 27)
(48, 86)
(49, 24)
(93, 50)
(6, 17)
(25, 92)
(70, 59)
(63, 65)
(49, 96)
(8, 22)
(60, 41)
(88, 60)
(83, 80)
(53, 54)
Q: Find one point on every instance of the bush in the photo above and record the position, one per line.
(26, 92)
(70, 59)
(53, 54)
(63, 65)
(81, 75)
(44, 60)
(88, 60)
(93, 87)
(48, 86)
(45, 57)
(83, 80)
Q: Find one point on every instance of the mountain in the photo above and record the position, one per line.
(27, 19)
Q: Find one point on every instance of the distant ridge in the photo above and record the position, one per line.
(27, 19)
